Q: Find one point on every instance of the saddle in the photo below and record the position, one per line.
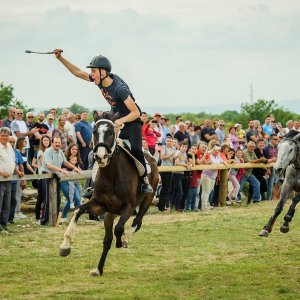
(126, 147)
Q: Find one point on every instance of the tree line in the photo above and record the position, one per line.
(254, 111)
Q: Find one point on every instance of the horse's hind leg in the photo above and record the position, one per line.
(120, 227)
(88, 207)
(285, 191)
(137, 222)
(108, 237)
(290, 214)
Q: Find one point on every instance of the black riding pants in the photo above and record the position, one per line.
(133, 132)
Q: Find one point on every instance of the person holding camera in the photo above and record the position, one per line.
(151, 135)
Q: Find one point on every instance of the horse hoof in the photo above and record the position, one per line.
(64, 252)
(119, 244)
(284, 229)
(264, 233)
(125, 244)
(94, 273)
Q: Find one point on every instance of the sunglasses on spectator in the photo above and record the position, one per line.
(50, 119)
(222, 125)
(30, 117)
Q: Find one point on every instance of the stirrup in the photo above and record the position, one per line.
(146, 187)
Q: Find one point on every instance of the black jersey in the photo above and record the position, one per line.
(116, 94)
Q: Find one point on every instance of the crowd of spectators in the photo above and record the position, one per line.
(40, 143)
(187, 144)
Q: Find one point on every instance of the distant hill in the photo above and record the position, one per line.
(292, 105)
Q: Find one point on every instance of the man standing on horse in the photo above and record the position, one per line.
(118, 95)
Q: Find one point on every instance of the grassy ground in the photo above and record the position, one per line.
(213, 255)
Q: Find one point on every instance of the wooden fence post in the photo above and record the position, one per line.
(223, 187)
(52, 201)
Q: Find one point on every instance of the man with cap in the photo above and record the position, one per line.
(117, 93)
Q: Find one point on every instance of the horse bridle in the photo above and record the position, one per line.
(297, 150)
(110, 149)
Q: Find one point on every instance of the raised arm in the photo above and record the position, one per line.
(72, 68)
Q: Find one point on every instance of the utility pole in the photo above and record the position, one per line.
(251, 93)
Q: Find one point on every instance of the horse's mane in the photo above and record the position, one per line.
(291, 134)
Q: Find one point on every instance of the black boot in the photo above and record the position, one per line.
(146, 187)
(88, 193)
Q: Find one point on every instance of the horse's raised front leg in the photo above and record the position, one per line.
(108, 237)
(120, 227)
(137, 222)
(285, 192)
(290, 214)
(89, 207)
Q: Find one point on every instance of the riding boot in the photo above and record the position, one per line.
(88, 193)
(146, 187)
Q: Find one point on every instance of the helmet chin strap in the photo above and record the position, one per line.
(101, 79)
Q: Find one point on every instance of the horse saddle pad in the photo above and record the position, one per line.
(126, 147)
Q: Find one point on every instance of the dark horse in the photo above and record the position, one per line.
(289, 160)
(116, 192)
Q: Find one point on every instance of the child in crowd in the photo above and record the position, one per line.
(241, 134)
(180, 160)
(45, 142)
(231, 158)
(73, 160)
(21, 144)
(71, 190)
(193, 181)
(240, 172)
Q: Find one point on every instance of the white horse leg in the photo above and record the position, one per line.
(65, 247)
(127, 236)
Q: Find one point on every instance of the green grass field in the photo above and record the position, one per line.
(213, 255)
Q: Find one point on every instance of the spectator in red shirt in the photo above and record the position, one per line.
(151, 135)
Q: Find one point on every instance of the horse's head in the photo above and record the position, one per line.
(288, 150)
(104, 141)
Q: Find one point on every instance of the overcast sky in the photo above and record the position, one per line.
(170, 52)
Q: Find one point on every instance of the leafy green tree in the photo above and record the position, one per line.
(262, 108)
(7, 99)
(77, 108)
(257, 110)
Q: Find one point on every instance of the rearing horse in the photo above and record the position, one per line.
(116, 191)
(289, 160)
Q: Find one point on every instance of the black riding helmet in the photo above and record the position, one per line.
(100, 62)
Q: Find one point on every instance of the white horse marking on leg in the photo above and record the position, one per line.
(69, 232)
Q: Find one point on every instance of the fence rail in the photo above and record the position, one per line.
(88, 174)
